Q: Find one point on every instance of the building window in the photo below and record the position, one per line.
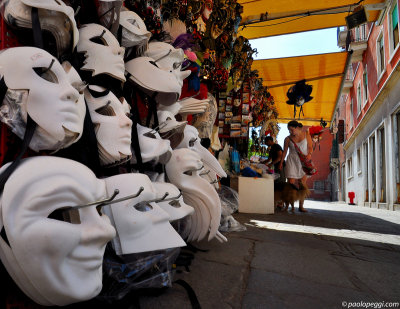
(358, 99)
(366, 180)
(359, 163)
(365, 85)
(396, 144)
(349, 168)
(382, 164)
(357, 34)
(319, 185)
(394, 27)
(373, 168)
(380, 50)
(351, 113)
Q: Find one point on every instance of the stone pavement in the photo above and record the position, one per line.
(334, 256)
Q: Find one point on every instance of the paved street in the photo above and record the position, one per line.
(334, 256)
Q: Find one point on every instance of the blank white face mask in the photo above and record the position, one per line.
(60, 255)
(167, 56)
(191, 141)
(184, 171)
(177, 208)
(152, 146)
(145, 72)
(103, 53)
(51, 98)
(55, 17)
(112, 125)
(141, 226)
(134, 31)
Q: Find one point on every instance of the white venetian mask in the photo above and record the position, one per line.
(134, 31)
(176, 208)
(111, 123)
(146, 73)
(55, 17)
(55, 256)
(41, 88)
(184, 171)
(152, 146)
(103, 53)
(141, 225)
(191, 141)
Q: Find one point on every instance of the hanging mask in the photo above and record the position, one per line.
(41, 88)
(176, 208)
(146, 73)
(47, 243)
(170, 128)
(166, 56)
(109, 14)
(152, 146)
(184, 170)
(111, 123)
(191, 141)
(141, 224)
(134, 31)
(208, 8)
(55, 17)
(103, 54)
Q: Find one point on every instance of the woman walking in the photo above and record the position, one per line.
(293, 170)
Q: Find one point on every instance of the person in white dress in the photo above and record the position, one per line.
(293, 169)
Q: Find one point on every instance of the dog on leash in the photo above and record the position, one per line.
(288, 194)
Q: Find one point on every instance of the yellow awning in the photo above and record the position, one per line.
(324, 72)
(290, 16)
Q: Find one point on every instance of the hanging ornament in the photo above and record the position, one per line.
(315, 132)
(299, 94)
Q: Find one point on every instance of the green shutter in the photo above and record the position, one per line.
(395, 16)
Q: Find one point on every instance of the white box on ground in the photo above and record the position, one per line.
(256, 195)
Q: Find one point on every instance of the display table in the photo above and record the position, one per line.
(256, 195)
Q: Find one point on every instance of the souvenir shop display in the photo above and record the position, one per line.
(109, 115)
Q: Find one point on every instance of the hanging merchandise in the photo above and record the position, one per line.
(138, 183)
(103, 56)
(152, 146)
(176, 208)
(57, 19)
(140, 223)
(235, 161)
(164, 85)
(112, 125)
(183, 170)
(39, 87)
(298, 95)
(54, 248)
(192, 141)
(316, 132)
(133, 34)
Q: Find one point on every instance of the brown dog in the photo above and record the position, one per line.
(288, 194)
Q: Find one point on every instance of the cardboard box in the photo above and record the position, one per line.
(256, 195)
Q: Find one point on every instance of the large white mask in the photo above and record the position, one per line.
(55, 17)
(112, 125)
(103, 53)
(152, 146)
(176, 208)
(191, 141)
(41, 88)
(170, 128)
(134, 31)
(183, 170)
(55, 259)
(165, 55)
(141, 226)
(146, 73)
